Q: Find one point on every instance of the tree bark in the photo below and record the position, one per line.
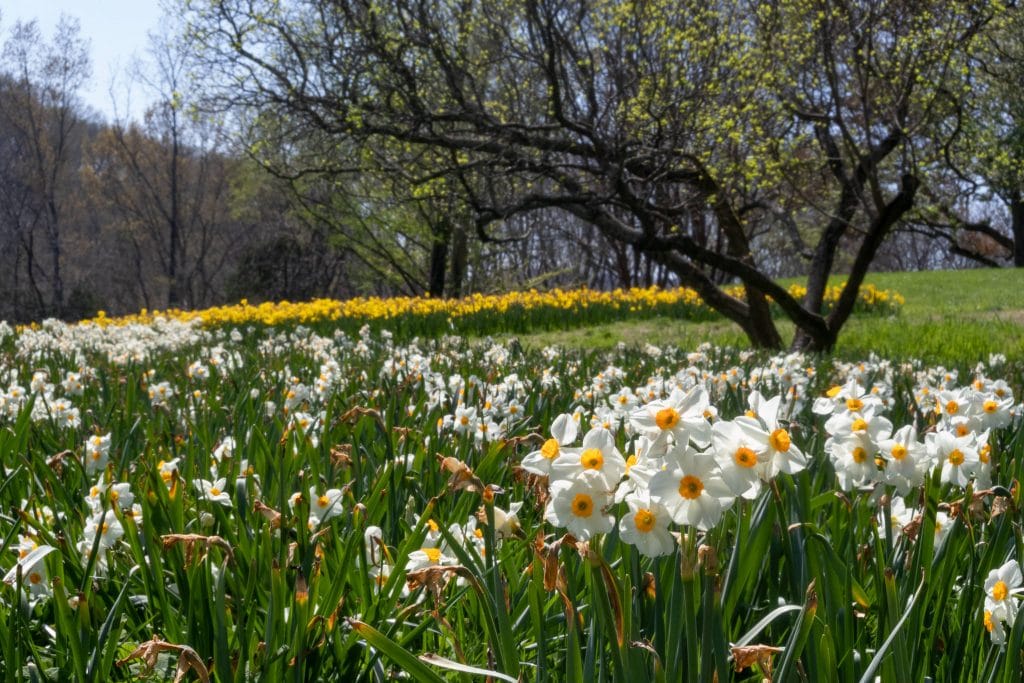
(438, 260)
(460, 255)
(57, 279)
(876, 234)
(1017, 225)
(174, 219)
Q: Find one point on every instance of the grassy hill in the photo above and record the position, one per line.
(949, 317)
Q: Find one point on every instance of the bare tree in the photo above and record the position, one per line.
(165, 181)
(39, 110)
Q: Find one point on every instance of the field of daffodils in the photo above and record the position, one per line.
(217, 500)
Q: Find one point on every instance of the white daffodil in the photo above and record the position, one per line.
(1002, 586)
(598, 455)
(465, 419)
(899, 516)
(97, 452)
(943, 525)
(624, 401)
(782, 454)
(324, 506)
(506, 522)
(73, 384)
(101, 532)
(160, 394)
(308, 425)
(434, 551)
(953, 403)
(740, 447)
(678, 419)
(578, 505)
(470, 536)
(106, 526)
(373, 541)
(64, 414)
(691, 488)
(97, 495)
(167, 469)
(996, 627)
(225, 450)
(487, 430)
(853, 458)
(121, 495)
(957, 455)
(867, 425)
(848, 398)
(640, 467)
(983, 473)
(213, 491)
(991, 412)
(906, 459)
(427, 557)
(645, 526)
(33, 572)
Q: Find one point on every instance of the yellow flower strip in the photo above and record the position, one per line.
(649, 300)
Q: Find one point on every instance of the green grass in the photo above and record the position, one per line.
(948, 317)
(939, 293)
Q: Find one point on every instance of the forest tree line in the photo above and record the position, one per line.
(173, 211)
(262, 188)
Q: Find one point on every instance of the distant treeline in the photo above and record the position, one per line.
(201, 203)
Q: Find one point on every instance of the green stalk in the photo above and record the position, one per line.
(690, 595)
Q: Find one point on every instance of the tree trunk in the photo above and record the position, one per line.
(460, 255)
(821, 268)
(57, 279)
(814, 343)
(876, 234)
(29, 244)
(174, 227)
(760, 329)
(1017, 224)
(438, 260)
(767, 335)
(139, 273)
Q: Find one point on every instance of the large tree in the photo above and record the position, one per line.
(692, 132)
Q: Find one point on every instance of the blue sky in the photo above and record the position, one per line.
(116, 29)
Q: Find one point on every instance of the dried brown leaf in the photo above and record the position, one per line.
(341, 455)
(191, 541)
(188, 659)
(747, 656)
(269, 513)
(1001, 505)
(353, 415)
(462, 477)
(56, 461)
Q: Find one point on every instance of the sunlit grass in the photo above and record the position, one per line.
(948, 317)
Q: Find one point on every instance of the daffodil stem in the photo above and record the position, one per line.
(690, 590)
